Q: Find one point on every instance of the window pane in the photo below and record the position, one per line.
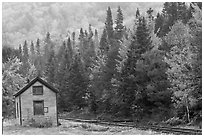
(38, 108)
(17, 110)
(37, 90)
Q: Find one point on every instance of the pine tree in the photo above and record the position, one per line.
(173, 11)
(143, 37)
(73, 41)
(38, 46)
(96, 84)
(137, 16)
(20, 52)
(77, 84)
(96, 41)
(132, 77)
(62, 77)
(47, 47)
(32, 51)
(158, 24)
(119, 24)
(127, 86)
(25, 66)
(38, 62)
(149, 13)
(85, 33)
(50, 68)
(157, 99)
(182, 12)
(109, 24)
(25, 52)
(199, 4)
(81, 41)
(137, 13)
(69, 48)
(90, 32)
(104, 46)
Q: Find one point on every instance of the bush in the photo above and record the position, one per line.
(174, 121)
(42, 124)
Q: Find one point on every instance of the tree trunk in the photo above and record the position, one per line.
(187, 110)
(188, 115)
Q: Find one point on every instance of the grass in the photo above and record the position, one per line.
(73, 128)
(81, 114)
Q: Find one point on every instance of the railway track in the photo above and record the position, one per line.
(163, 129)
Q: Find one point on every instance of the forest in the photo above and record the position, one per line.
(152, 70)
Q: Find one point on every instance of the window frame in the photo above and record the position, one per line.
(17, 111)
(34, 111)
(34, 93)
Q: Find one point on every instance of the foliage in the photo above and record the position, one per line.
(109, 24)
(9, 53)
(180, 72)
(152, 70)
(42, 124)
(12, 81)
(119, 24)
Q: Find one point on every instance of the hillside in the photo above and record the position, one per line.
(30, 21)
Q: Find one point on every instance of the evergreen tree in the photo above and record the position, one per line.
(81, 41)
(50, 68)
(77, 84)
(133, 78)
(104, 46)
(90, 32)
(69, 48)
(20, 52)
(96, 41)
(73, 41)
(47, 47)
(158, 24)
(173, 11)
(199, 4)
(137, 16)
(156, 97)
(182, 12)
(25, 52)
(109, 24)
(142, 34)
(25, 66)
(137, 13)
(38, 46)
(85, 33)
(127, 86)
(149, 13)
(119, 24)
(62, 77)
(38, 62)
(32, 51)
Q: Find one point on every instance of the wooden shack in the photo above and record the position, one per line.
(36, 103)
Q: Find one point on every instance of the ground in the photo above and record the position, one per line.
(72, 128)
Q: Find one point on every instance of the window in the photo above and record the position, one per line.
(17, 110)
(37, 90)
(38, 107)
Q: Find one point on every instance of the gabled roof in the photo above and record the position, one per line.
(32, 82)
